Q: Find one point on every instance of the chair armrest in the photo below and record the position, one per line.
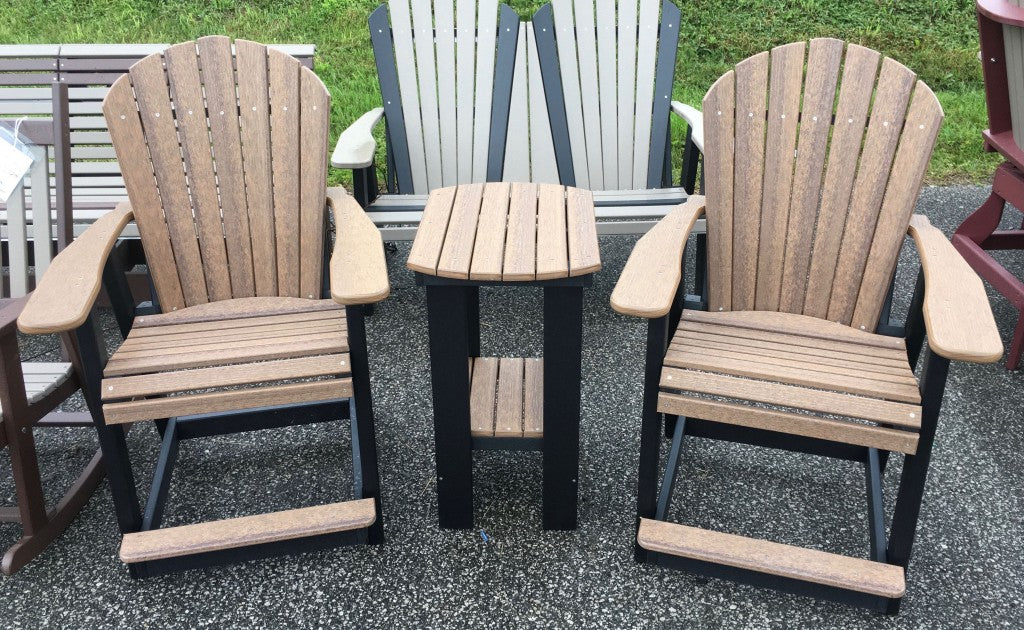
(957, 316)
(356, 146)
(65, 294)
(359, 271)
(652, 274)
(694, 119)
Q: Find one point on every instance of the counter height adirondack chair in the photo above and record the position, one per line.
(793, 351)
(31, 391)
(472, 94)
(226, 176)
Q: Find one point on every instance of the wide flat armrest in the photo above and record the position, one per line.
(359, 270)
(694, 119)
(652, 274)
(65, 294)
(356, 146)
(957, 316)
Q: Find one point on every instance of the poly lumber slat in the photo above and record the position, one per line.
(244, 531)
(254, 108)
(281, 331)
(565, 32)
(584, 255)
(17, 237)
(358, 268)
(795, 324)
(508, 418)
(919, 134)
(151, 90)
(444, 25)
(486, 40)
(224, 376)
(787, 70)
(516, 167)
(860, 67)
(228, 326)
(646, 61)
(808, 565)
(430, 235)
(719, 124)
(42, 235)
(606, 81)
(543, 168)
(230, 400)
(586, 51)
(895, 83)
(533, 397)
(426, 76)
(405, 62)
(220, 88)
(283, 74)
(751, 96)
(823, 61)
(552, 252)
(626, 86)
(465, 76)
(821, 401)
(482, 395)
(790, 423)
(489, 249)
(315, 105)
(805, 376)
(183, 75)
(238, 308)
(793, 340)
(457, 252)
(521, 234)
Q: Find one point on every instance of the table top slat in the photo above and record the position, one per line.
(584, 255)
(552, 244)
(489, 251)
(430, 236)
(457, 252)
(521, 234)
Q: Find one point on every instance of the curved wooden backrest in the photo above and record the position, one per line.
(225, 161)
(445, 72)
(815, 156)
(615, 62)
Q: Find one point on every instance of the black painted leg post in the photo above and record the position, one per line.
(364, 433)
(915, 467)
(449, 352)
(473, 320)
(650, 427)
(563, 345)
(688, 176)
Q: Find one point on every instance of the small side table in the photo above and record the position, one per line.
(501, 234)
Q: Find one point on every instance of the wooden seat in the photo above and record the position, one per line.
(245, 531)
(787, 561)
(829, 378)
(167, 358)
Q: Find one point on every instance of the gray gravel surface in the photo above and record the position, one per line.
(966, 571)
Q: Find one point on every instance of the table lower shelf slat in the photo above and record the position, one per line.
(506, 397)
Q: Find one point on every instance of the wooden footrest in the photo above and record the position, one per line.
(506, 397)
(808, 565)
(245, 531)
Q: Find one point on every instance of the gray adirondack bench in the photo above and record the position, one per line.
(471, 93)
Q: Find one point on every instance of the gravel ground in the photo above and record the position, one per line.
(966, 570)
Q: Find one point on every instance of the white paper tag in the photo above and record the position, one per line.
(15, 160)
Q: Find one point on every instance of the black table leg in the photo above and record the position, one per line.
(563, 343)
(447, 310)
(473, 319)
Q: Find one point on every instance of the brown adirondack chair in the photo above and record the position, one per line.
(807, 207)
(30, 392)
(226, 177)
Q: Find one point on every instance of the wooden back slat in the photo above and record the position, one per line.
(543, 168)
(316, 111)
(405, 62)
(646, 58)
(123, 119)
(42, 226)
(284, 137)
(607, 71)
(486, 40)
(860, 67)
(151, 92)
(786, 81)
(254, 110)
(781, 235)
(590, 92)
(465, 71)
(751, 101)
(426, 74)
(565, 30)
(183, 73)
(444, 25)
(220, 87)
(517, 142)
(823, 62)
(625, 85)
(895, 84)
(17, 238)
(223, 166)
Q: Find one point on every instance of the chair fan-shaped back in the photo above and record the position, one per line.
(816, 154)
(224, 156)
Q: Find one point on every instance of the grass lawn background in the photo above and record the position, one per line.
(936, 38)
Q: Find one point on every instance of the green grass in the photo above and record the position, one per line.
(936, 38)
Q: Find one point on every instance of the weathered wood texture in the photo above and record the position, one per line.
(199, 173)
(807, 208)
(507, 232)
